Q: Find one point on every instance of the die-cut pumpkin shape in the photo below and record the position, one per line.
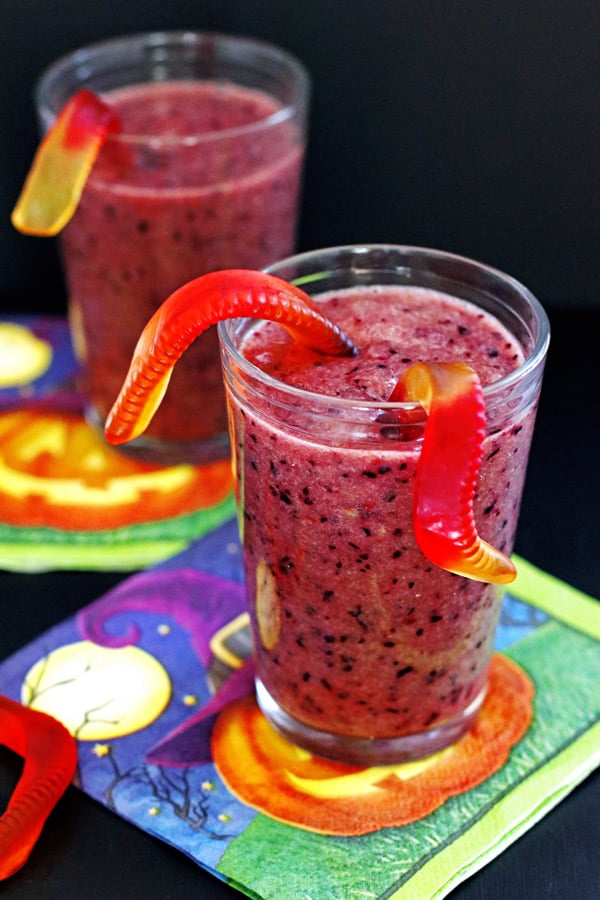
(266, 771)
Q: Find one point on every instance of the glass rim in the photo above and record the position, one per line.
(183, 37)
(490, 391)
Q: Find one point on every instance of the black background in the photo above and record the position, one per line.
(467, 125)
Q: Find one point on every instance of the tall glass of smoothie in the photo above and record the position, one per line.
(205, 174)
(365, 650)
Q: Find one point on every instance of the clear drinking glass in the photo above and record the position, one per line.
(205, 175)
(365, 651)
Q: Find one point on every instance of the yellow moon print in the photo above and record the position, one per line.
(98, 693)
(23, 356)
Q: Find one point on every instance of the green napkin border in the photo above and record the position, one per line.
(533, 798)
(120, 549)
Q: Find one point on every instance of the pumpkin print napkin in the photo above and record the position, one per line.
(69, 500)
(155, 681)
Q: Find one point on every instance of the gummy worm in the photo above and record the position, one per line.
(443, 520)
(62, 165)
(190, 310)
(50, 759)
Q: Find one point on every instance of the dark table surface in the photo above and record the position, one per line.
(87, 852)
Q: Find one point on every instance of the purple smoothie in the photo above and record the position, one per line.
(156, 213)
(356, 632)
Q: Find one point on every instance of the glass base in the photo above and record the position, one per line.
(368, 752)
(162, 452)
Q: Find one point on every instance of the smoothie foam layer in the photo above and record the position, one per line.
(411, 325)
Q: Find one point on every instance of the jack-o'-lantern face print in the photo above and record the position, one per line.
(56, 472)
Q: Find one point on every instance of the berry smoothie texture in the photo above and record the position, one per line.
(356, 632)
(157, 213)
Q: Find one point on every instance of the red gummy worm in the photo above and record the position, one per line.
(443, 519)
(62, 164)
(84, 115)
(190, 310)
(50, 759)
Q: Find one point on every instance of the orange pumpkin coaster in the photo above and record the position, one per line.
(57, 472)
(292, 786)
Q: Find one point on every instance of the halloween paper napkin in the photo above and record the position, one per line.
(67, 499)
(155, 682)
